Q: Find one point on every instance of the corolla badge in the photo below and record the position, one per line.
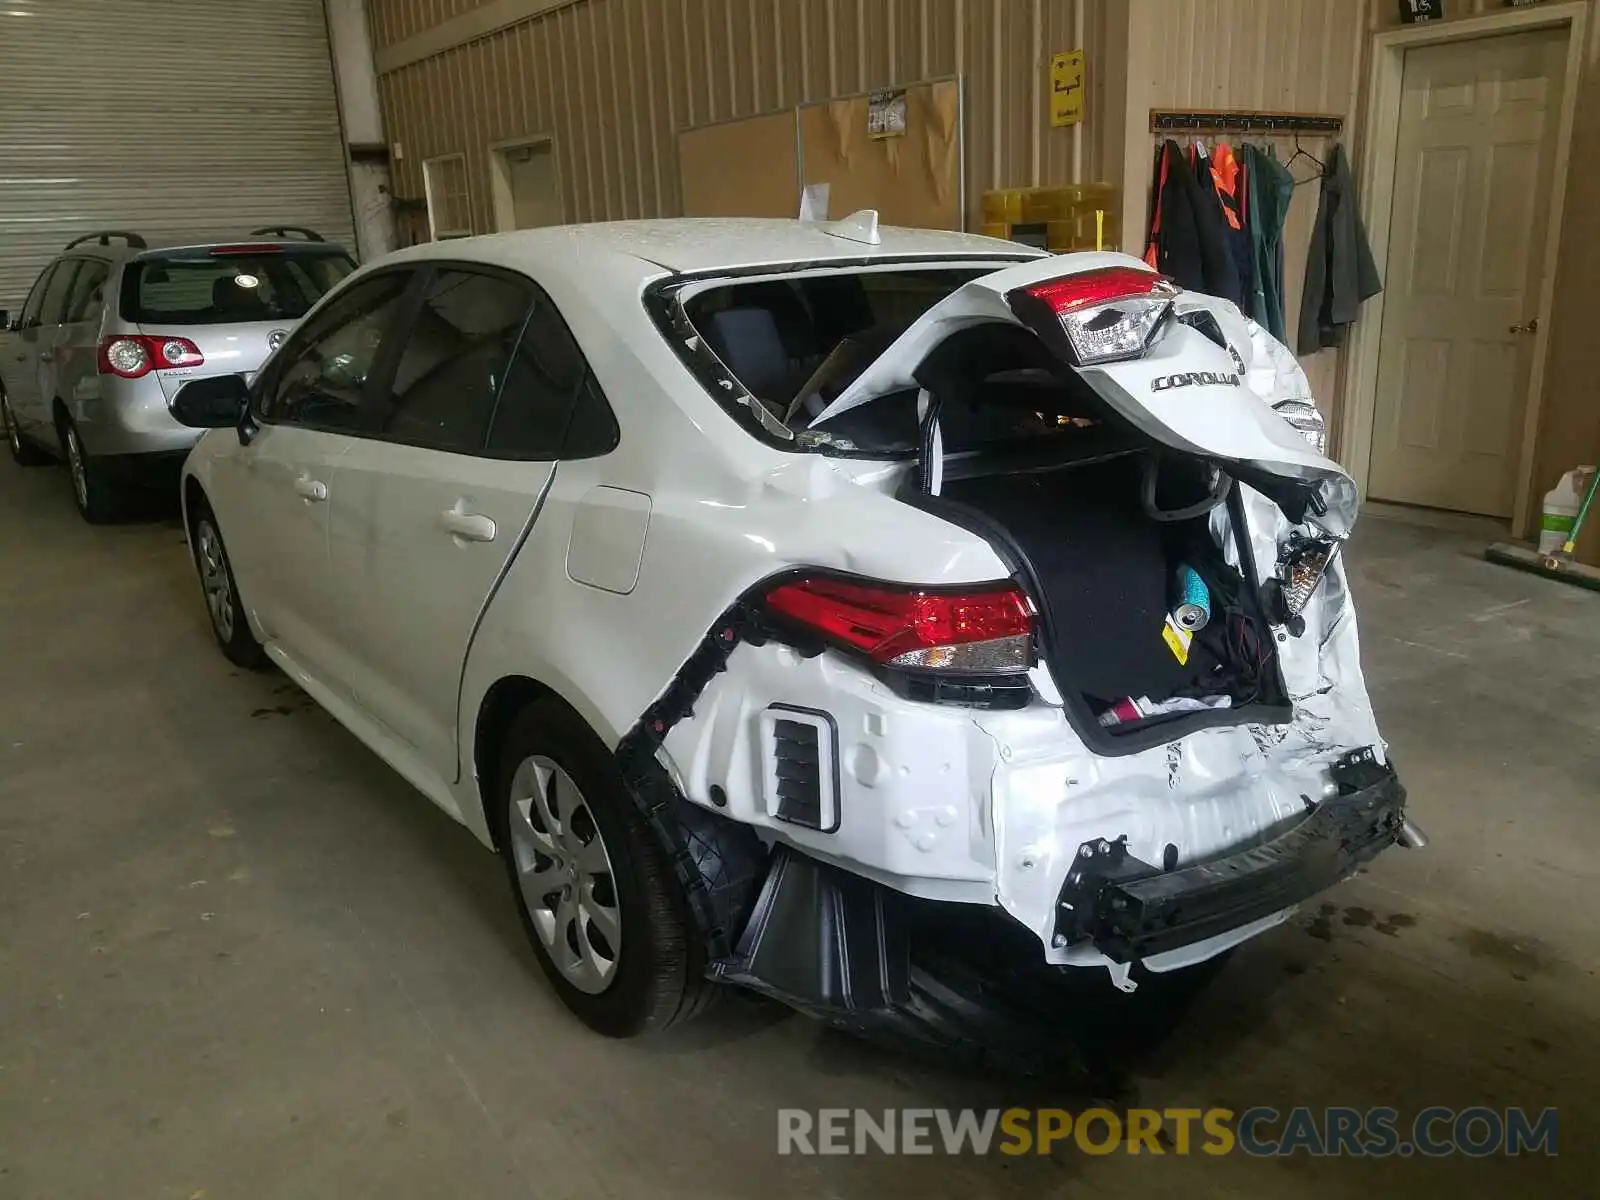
(1162, 383)
(275, 338)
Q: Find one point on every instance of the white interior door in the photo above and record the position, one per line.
(1472, 179)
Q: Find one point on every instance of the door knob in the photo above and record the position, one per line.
(1526, 327)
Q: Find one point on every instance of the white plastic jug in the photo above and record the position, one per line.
(1561, 509)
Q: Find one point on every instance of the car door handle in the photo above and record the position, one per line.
(313, 491)
(469, 527)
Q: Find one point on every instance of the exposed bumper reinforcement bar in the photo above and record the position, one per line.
(1131, 910)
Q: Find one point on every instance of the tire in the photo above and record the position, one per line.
(229, 624)
(96, 496)
(23, 452)
(597, 896)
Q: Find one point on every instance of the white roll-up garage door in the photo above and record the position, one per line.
(182, 120)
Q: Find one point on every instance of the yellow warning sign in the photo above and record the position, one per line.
(1066, 88)
(1177, 639)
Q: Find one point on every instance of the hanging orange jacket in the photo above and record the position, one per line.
(1227, 176)
(1228, 182)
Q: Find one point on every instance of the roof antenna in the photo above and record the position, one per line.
(857, 227)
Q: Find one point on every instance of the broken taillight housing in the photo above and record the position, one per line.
(1301, 566)
(984, 630)
(1306, 419)
(1107, 314)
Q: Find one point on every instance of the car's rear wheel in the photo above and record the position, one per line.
(94, 494)
(597, 896)
(228, 621)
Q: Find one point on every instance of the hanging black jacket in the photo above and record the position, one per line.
(1340, 273)
(1188, 239)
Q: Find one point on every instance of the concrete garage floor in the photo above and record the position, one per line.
(240, 957)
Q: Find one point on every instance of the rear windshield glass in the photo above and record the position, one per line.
(796, 342)
(209, 289)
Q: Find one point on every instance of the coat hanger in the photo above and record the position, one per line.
(1301, 152)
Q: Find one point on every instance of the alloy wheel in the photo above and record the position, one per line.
(565, 874)
(75, 465)
(214, 579)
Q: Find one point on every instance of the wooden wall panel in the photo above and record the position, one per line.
(741, 168)
(912, 180)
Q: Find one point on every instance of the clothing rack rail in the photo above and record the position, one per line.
(1238, 120)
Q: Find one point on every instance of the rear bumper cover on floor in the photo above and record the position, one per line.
(1132, 910)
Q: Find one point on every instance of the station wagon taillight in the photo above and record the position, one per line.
(134, 355)
(1106, 314)
(984, 630)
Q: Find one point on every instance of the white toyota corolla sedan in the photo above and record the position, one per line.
(870, 618)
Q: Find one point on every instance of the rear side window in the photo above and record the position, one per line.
(551, 406)
(455, 360)
(88, 291)
(221, 289)
(53, 309)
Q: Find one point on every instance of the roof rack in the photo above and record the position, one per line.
(283, 231)
(104, 237)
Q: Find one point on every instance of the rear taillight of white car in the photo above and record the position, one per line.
(1301, 566)
(135, 355)
(1106, 315)
(963, 646)
(1305, 419)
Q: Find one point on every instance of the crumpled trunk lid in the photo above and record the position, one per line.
(1186, 391)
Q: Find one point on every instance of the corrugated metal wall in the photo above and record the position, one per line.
(1294, 55)
(614, 80)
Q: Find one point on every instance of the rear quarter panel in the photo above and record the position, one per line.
(726, 511)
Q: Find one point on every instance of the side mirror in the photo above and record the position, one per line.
(216, 402)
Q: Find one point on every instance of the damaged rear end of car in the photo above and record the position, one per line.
(1114, 718)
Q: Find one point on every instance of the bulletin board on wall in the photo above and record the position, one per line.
(912, 173)
(912, 178)
(742, 168)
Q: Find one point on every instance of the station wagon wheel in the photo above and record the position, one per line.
(597, 895)
(565, 873)
(228, 620)
(25, 453)
(92, 492)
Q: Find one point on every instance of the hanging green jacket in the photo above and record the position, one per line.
(1270, 189)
